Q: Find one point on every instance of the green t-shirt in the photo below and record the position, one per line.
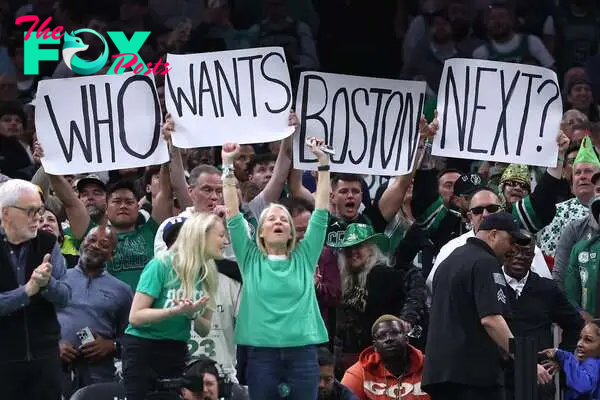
(582, 275)
(279, 305)
(158, 281)
(134, 250)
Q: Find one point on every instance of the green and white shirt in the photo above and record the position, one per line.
(566, 212)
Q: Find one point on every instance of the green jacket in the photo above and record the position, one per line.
(582, 274)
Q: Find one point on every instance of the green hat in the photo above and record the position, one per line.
(586, 153)
(516, 172)
(358, 233)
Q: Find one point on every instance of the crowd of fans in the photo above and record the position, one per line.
(227, 273)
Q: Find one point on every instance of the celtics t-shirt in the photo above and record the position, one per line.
(160, 282)
(336, 227)
(134, 250)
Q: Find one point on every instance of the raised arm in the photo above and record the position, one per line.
(274, 187)
(323, 177)
(391, 200)
(177, 171)
(230, 194)
(162, 207)
(296, 187)
(77, 214)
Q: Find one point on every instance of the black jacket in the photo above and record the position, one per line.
(32, 331)
(396, 291)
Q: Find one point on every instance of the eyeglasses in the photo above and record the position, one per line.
(31, 211)
(491, 208)
(522, 185)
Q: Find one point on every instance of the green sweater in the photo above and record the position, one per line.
(279, 305)
(582, 274)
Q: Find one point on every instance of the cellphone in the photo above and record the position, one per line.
(324, 148)
(85, 335)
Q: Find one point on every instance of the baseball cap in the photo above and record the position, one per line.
(172, 228)
(503, 221)
(91, 178)
(466, 184)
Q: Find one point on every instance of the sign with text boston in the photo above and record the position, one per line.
(99, 123)
(496, 111)
(242, 96)
(372, 123)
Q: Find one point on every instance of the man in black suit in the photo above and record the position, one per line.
(536, 304)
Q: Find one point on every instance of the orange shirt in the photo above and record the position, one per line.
(370, 380)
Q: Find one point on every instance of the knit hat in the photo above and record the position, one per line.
(516, 172)
(13, 108)
(383, 318)
(586, 153)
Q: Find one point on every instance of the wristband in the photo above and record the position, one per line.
(323, 168)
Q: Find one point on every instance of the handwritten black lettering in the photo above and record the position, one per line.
(502, 123)
(520, 92)
(223, 82)
(288, 91)
(390, 132)
(477, 106)
(380, 93)
(121, 116)
(108, 121)
(461, 122)
(526, 110)
(360, 121)
(342, 92)
(304, 118)
(548, 104)
(234, 97)
(204, 76)
(74, 131)
(193, 105)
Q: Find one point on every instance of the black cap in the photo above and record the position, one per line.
(595, 207)
(90, 179)
(503, 221)
(466, 184)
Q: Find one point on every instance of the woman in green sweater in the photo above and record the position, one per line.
(279, 319)
(176, 289)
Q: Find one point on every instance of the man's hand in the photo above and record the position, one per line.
(551, 366)
(99, 349)
(407, 326)
(68, 353)
(543, 377)
(31, 287)
(42, 274)
(586, 316)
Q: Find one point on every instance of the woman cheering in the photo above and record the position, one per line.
(279, 318)
(176, 288)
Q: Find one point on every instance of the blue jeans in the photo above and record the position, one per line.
(270, 370)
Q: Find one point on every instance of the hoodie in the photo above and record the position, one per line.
(581, 376)
(370, 380)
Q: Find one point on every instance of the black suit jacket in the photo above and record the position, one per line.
(541, 304)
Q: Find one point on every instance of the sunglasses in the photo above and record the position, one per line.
(522, 185)
(490, 208)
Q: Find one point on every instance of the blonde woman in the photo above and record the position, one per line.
(279, 320)
(176, 288)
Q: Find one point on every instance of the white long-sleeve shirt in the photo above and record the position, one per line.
(538, 265)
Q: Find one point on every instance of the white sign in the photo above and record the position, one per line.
(496, 111)
(241, 96)
(371, 123)
(99, 123)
